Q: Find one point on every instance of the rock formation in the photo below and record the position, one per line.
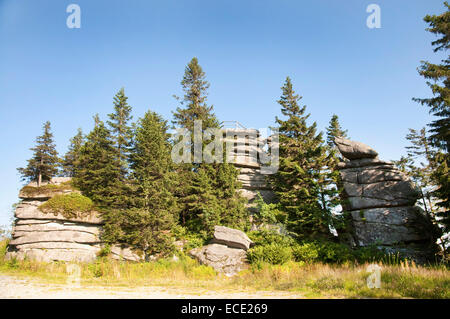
(227, 251)
(247, 144)
(381, 202)
(49, 236)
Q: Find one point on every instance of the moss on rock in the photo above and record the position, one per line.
(69, 205)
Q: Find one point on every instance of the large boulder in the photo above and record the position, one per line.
(51, 236)
(222, 258)
(354, 150)
(230, 237)
(389, 226)
(381, 203)
(29, 210)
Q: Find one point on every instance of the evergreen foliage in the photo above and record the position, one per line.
(44, 163)
(148, 225)
(208, 192)
(438, 79)
(98, 170)
(120, 128)
(71, 157)
(303, 184)
(335, 130)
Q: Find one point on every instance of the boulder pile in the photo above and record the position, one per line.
(227, 252)
(381, 202)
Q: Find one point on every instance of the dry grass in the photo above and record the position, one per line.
(312, 280)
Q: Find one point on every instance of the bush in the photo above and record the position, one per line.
(330, 252)
(267, 237)
(274, 254)
(369, 254)
(70, 205)
(191, 240)
(308, 252)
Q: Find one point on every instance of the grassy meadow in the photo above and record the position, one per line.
(313, 280)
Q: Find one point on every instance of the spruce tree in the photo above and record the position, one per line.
(44, 163)
(98, 170)
(72, 155)
(207, 192)
(150, 161)
(195, 89)
(303, 184)
(334, 130)
(120, 128)
(438, 79)
(147, 226)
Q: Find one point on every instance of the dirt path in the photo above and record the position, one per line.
(12, 287)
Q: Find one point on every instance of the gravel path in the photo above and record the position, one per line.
(12, 287)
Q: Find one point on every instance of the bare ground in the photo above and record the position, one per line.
(13, 287)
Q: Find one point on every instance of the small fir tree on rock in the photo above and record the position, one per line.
(44, 163)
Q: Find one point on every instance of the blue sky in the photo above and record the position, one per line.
(247, 48)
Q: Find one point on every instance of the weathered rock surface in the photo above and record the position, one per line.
(248, 143)
(230, 237)
(48, 236)
(28, 209)
(381, 201)
(227, 251)
(125, 253)
(222, 258)
(354, 150)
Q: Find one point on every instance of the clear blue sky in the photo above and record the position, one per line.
(247, 48)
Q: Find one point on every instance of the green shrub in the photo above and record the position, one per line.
(267, 237)
(192, 240)
(274, 254)
(330, 252)
(70, 205)
(307, 252)
(369, 254)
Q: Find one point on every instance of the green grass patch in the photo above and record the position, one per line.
(69, 205)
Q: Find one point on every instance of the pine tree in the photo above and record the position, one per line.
(421, 173)
(120, 128)
(334, 130)
(439, 74)
(207, 192)
(303, 185)
(45, 162)
(147, 226)
(150, 161)
(438, 79)
(195, 87)
(98, 170)
(72, 155)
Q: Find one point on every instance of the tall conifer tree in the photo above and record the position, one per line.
(73, 154)
(120, 127)
(98, 170)
(45, 161)
(147, 226)
(303, 185)
(438, 79)
(207, 191)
